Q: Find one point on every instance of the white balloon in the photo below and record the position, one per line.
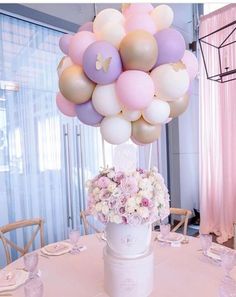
(105, 16)
(105, 100)
(64, 63)
(131, 115)
(163, 16)
(171, 81)
(115, 129)
(157, 112)
(112, 32)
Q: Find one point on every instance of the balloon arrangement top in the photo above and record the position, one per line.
(127, 72)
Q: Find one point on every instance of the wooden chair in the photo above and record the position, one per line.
(184, 214)
(16, 225)
(86, 224)
(235, 235)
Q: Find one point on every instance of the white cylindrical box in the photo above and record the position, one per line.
(128, 241)
(128, 277)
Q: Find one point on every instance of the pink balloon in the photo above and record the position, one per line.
(137, 8)
(191, 63)
(64, 43)
(86, 27)
(140, 21)
(135, 89)
(65, 106)
(79, 43)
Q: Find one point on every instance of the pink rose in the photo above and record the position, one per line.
(118, 177)
(145, 202)
(103, 182)
(128, 185)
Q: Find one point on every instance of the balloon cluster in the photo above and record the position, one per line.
(127, 72)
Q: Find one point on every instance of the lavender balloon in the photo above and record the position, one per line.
(171, 46)
(87, 114)
(86, 27)
(102, 62)
(64, 43)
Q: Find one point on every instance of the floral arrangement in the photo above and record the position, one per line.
(130, 198)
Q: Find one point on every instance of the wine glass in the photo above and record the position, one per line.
(206, 241)
(31, 263)
(34, 288)
(165, 230)
(227, 288)
(74, 238)
(227, 261)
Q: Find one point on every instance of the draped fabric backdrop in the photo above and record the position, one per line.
(45, 157)
(218, 131)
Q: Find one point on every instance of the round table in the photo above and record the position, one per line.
(179, 271)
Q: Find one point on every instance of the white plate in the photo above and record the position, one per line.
(21, 278)
(67, 249)
(172, 237)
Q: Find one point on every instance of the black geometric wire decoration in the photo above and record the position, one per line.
(219, 48)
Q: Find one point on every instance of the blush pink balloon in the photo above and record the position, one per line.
(79, 43)
(65, 106)
(64, 43)
(140, 21)
(168, 121)
(86, 27)
(137, 8)
(191, 63)
(135, 89)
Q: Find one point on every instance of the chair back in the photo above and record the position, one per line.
(87, 224)
(184, 215)
(7, 243)
(235, 235)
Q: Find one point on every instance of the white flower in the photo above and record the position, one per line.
(111, 174)
(98, 206)
(116, 192)
(117, 219)
(96, 191)
(131, 202)
(105, 209)
(130, 208)
(111, 187)
(143, 212)
(138, 199)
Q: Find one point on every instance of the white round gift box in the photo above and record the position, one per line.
(128, 241)
(128, 277)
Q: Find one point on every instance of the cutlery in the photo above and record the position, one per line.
(5, 294)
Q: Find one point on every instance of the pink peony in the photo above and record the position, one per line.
(145, 202)
(103, 182)
(129, 185)
(118, 177)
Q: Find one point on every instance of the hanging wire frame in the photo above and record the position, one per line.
(218, 52)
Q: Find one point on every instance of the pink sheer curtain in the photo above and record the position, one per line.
(218, 134)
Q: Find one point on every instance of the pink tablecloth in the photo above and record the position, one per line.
(179, 272)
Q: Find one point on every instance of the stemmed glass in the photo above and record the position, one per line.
(227, 261)
(31, 263)
(165, 230)
(206, 241)
(34, 288)
(74, 236)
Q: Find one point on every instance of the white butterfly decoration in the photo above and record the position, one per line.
(102, 63)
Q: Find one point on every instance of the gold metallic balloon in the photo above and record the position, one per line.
(178, 106)
(144, 132)
(75, 85)
(138, 51)
(64, 63)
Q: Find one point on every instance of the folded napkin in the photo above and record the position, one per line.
(173, 237)
(55, 248)
(8, 279)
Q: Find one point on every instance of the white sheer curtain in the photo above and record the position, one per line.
(45, 157)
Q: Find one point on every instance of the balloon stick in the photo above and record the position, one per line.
(150, 156)
(103, 153)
